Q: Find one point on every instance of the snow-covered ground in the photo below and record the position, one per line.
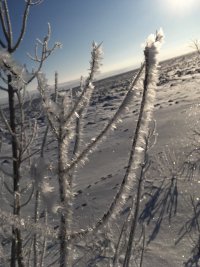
(171, 195)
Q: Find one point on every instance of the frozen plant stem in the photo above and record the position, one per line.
(65, 200)
(16, 250)
(61, 124)
(83, 99)
(12, 75)
(139, 136)
(35, 238)
(91, 146)
(140, 143)
(65, 178)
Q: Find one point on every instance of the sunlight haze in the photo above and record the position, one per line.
(122, 26)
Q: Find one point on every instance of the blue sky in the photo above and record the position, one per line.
(122, 25)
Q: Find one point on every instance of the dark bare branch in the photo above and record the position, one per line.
(196, 45)
(34, 3)
(3, 22)
(8, 22)
(6, 123)
(23, 27)
(29, 198)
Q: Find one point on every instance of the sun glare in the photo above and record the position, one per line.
(180, 7)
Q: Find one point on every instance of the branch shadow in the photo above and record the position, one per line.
(163, 201)
(193, 261)
(191, 228)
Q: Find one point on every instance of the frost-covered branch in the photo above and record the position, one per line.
(20, 76)
(45, 50)
(29, 3)
(111, 124)
(140, 141)
(139, 136)
(128, 98)
(31, 138)
(28, 225)
(83, 99)
(51, 108)
(7, 25)
(22, 134)
(60, 122)
(3, 117)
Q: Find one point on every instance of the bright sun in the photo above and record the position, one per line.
(181, 7)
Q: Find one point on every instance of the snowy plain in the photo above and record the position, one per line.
(170, 205)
